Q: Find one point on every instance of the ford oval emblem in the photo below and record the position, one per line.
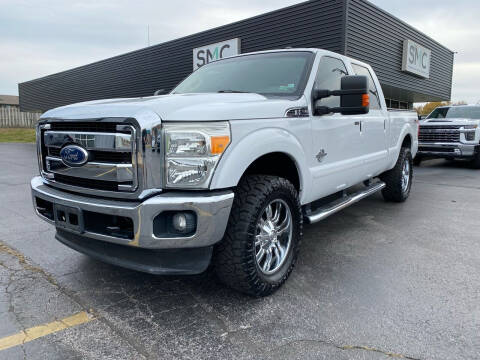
(74, 155)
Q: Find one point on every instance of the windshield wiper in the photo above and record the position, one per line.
(233, 91)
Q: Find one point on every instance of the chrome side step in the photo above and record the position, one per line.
(330, 209)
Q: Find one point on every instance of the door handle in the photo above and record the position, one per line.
(359, 123)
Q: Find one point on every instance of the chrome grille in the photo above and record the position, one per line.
(440, 133)
(112, 158)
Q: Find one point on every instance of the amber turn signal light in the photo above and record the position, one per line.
(219, 144)
(365, 100)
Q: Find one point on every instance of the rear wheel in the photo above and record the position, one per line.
(263, 235)
(399, 179)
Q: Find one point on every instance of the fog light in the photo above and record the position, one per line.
(174, 224)
(184, 222)
(180, 222)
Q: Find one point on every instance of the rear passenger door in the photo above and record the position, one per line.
(373, 127)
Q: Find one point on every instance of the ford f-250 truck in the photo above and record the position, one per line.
(451, 132)
(226, 168)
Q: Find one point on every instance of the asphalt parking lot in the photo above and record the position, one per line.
(375, 281)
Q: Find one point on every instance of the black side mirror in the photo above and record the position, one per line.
(354, 97)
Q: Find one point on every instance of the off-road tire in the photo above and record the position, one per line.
(234, 257)
(476, 161)
(417, 160)
(393, 190)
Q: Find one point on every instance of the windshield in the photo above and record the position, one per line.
(277, 74)
(468, 112)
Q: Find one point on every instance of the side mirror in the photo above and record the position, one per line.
(354, 97)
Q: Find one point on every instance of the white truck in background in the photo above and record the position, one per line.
(226, 168)
(451, 132)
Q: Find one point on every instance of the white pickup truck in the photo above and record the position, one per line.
(451, 132)
(226, 168)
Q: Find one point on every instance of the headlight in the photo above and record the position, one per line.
(192, 152)
(470, 132)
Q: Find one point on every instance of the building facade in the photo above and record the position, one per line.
(354, 28)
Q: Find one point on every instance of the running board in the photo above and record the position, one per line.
(330, 209)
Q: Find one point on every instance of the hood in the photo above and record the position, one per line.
(450, 121)
(183, 107)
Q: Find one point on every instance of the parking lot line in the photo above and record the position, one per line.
(45, 329)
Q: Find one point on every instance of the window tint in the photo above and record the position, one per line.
(330, 71)
(374, 100)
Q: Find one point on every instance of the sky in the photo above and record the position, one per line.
(41, 37)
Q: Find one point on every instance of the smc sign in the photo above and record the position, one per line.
(416, 59)
(203, 55)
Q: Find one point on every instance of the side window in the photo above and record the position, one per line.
(330, 71)
(374, 100)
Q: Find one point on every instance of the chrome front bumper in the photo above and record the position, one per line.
(211, 208)
(451, 150)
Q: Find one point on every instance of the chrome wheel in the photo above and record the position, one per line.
(405, 175)
(273, 236)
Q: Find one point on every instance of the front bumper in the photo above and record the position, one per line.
(447, 150)
(212, 210)
(187, 261)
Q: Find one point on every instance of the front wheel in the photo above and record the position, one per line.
(399, 179)
(417, 160)
(476, 161)
(262, 239)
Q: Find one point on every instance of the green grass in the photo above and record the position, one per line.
(17, 135)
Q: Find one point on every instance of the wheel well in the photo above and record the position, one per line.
(407, 142)
(277, 164)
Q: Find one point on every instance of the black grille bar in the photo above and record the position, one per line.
(100, 156)
(87, 126)
(89, 183)
(436, 149)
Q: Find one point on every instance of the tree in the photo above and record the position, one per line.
(430, 106)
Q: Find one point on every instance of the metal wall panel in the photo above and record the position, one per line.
(352, 27)
(317, 23)
(376, 37)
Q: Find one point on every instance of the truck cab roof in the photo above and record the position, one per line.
(312, 50)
